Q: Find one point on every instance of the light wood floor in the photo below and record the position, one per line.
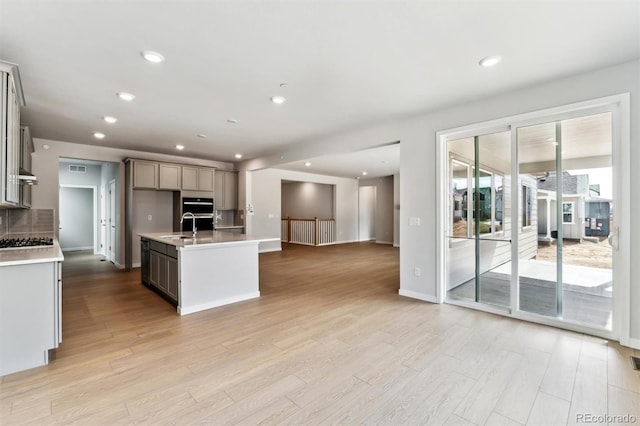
(329, 342)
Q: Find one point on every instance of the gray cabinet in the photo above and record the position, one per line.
(145, 175)
(170, 176)
(226, 193)
(163, 268)
(11, 99)
(26, 149)
(197, 178)
(31, 306)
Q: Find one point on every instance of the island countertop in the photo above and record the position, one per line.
(185, 240)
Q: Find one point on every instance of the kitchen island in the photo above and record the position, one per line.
(213, 269)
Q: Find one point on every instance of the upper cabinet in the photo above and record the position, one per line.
(226, 193)
(26, 149)
(170, 176)
(196, 178)
(145, 174)
(11, 100)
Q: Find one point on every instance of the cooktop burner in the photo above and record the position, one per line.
(25, 242)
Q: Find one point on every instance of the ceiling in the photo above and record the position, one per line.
(346, 64)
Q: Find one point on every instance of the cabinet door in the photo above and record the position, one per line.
(172, 278)
(163, 282)
(205, 179)
(230, 191)
(145, 175)
(170, 176)
(219, 190)
(189, 178)
(12, 150)
(154, 270)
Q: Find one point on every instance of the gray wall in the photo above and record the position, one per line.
(307, 200)
(158, 205)
(76, 218)
(385, 206)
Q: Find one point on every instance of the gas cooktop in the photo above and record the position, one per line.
(25, 242)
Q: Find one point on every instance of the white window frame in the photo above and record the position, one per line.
(573, 212)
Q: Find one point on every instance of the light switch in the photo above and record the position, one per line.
(414, 221)
(270, 216)
(149, 217)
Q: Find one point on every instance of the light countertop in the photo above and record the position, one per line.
(30, 255)
(185, 240)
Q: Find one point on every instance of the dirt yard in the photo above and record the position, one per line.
(585, 253)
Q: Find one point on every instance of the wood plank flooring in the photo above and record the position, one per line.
(329, 342)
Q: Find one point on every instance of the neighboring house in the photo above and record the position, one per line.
(582, 213)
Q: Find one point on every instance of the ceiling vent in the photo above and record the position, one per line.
(77, 168)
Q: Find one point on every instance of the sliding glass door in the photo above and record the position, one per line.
(565, 267)
(530, 213)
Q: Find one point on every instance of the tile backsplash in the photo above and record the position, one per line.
(27, 221)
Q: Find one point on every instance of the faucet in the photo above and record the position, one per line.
(192, 216)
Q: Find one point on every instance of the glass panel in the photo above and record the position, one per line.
(568, 273)
(537, 228)
(494, 247)
(479, 267)
(461, 252)
(587, 213)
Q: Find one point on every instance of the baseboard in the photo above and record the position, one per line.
(396, 245)
(136, 265)
(216, 303)
(77, 248)
(416, 295)
(269, 250)
(384, 242)
(346, 242)
(119, 266)
(634, 343)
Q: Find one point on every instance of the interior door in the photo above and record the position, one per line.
(112, 221)
(103, 220)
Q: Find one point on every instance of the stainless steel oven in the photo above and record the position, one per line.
(198, 206)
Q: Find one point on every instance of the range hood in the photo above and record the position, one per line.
(27, 178)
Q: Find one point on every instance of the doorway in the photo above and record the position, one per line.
(78, 218)
(532, 208)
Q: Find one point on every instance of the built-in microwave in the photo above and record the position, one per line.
(198, 206)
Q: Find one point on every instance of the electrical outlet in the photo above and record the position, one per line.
(417, 271)
(414, 221)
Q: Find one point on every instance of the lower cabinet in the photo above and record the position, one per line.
(30, 314)
(163, 269)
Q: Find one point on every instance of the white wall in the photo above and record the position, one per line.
(76, 218)
(396, 210)
(45, 167)
(307, 200)
(265, 197)
(417, 136)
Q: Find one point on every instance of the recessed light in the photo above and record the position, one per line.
(152, 56)
(232, 121)
(308, 164)
(238, 156)
(126, 96)
(45, 146)
(99, 135)
(489, 61)
(201, 135)
(109, 119)
(179, 147)
(364, 173)
(279, 100)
